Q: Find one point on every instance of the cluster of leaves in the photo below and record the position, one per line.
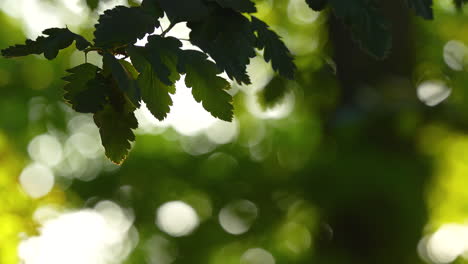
(220, 28)
(112, 93)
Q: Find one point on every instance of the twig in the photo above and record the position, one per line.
(168, 29)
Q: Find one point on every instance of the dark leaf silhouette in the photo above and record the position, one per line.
(207, 87)
(123, 25)
(244, 6)
(317, 5)
(228, 38)
(86, 88)
(162, 54)
(273, 92)
(57, 39)
(124, 76)
(185, 10)
(157, 63)
(274, 49)
(152, 7)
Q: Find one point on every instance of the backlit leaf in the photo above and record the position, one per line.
(115, 127)
(124, 77)
(228, 38)
(123, 25)
(162, 55)
(85, 90)
(207, 87)
(57, 39)
(153, 92)
(274, 49)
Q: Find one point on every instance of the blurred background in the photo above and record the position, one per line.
(356, 161)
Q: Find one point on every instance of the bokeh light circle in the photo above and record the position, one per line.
(237, 217)
(257, 256)
(177, 218)
(37, 180)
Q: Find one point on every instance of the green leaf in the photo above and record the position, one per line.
(162, 55)
(228, 38)
(244, 6)
(133, 73)
(273, 92)
(115, 127)
(185, 10)
(207, 87)
(86, 88)
(57, 39)
(317, 5)
(157, 63)
(81, 43)
(124, 76)
(123, 25)
(274, 49)
(369, 28)
(422, 8)
(152, 7)
(153, 92)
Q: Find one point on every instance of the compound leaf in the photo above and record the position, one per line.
(57, 39)
(115, 127)
(422, 8)
(228, 38)
(244, 6)
(123, 25)
(207, 87)
(274, 49)
(86, 88)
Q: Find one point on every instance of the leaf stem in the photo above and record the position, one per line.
(168, 29)
(92, 49)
